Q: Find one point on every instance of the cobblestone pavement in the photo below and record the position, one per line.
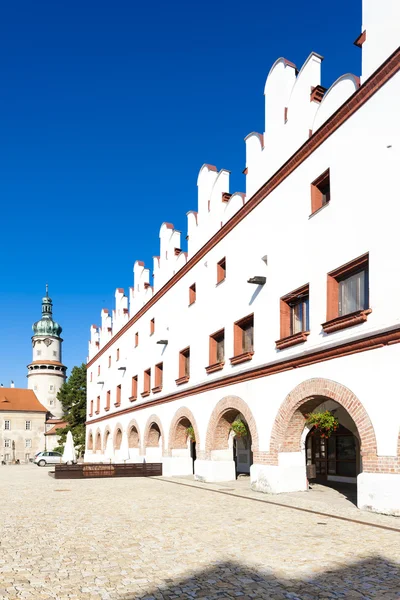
(150, 539)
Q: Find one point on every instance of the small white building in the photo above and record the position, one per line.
(285, 302)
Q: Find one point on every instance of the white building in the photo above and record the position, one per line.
(286, 301)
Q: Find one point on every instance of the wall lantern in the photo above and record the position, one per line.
(257, 280)
(100, 383)
(164, 342)
(121, 368)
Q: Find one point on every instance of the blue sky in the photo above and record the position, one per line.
(108, 110)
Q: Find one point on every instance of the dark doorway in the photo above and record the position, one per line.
(193, 452)
(329, 459)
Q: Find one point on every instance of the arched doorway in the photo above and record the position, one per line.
(333, 459)
(153, 439)
(90, 442)
(231, 440)
(183, 443)
(97, 447)
(118, 438)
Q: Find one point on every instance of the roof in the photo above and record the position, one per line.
(54, 429)
(20, 399)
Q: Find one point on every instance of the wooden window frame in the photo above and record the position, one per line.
(91, 409)
(109, 361)
(98, 370)
(134, 388)
(158, 378)
(221, 270)
(334, 321)
(117, 358)
(192, 294)
(108, 400)
(136, 339)
(146, 383)
(91, 376)
(214, 363)
(240, 355)
(118, 396)
(152, 326)
(288, 338)
(97, 411)
(184, 366)
(318, 199)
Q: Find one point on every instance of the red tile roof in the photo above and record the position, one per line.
(20, 399)
(54, 429)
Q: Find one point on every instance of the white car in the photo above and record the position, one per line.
(47, 458)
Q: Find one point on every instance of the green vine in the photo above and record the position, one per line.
(191, 434)
(323, 422)
(239, 428)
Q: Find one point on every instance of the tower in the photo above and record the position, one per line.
(46, 373)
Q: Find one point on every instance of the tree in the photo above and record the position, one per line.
(72, 396)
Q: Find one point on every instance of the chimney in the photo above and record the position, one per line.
(12, 384)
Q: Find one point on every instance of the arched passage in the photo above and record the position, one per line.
(133, 435)
(90, 441)
(288, 427)
(97, 446)
(153, 443)
(225, 443)
(117, 437)
(107, 434)
(183, 441)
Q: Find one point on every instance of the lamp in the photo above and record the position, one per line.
(121, 368)
(100, 383)
(257, 280)
(165, 342)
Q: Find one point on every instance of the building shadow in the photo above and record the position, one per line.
(372, 578)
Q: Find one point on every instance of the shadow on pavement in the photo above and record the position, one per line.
(373, 578)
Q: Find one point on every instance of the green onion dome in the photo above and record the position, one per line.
(46, 325)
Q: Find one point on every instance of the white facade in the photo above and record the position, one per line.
(272, 231)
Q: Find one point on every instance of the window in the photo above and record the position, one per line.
(216, 351)
(28, 425)
(158, 378)
(320, 192)
(184, 366)
(38, 352)
(51, 403)
(28, 443)
(108, 400)
(97, 405)
(294, 310)
(117, 354)
(134, 388)
(91, 408)
(7, 425)
(7, 457)
(27, 457)
(55, 353)
(109, 361)
(118, 396)
(98, 369)
(136, 339)
(91, 376)
(348, 295)
(51, 388)
(7, 443)
(243, 340)
(221, 270)
(192, 294)
(152, 326)
(146, 383)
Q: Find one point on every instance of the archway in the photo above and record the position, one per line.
(133, 436)
(90, 441)
(154, 438)
(98, 447)
(183, 442)
(107, 434)
(231, 440)
(117, 437)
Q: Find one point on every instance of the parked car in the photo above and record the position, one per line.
(47, 458)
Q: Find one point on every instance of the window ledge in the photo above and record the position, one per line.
(117, 403)
(97, 412)
(156, 389)
(354, 318)
(181, 380)
(318, 210)
(191, 303)
(241, 358)
(215, 367)
(219, 282)
(132, 398)
(107, 408)
(292, 340)
(145, 394)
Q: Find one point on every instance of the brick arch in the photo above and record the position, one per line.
(97, 441)
(219, 426)
(117, 438)
(90, 440)
(133, 439)
(148, 438)
(304, 398)
(177, 437)
(107, 432)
